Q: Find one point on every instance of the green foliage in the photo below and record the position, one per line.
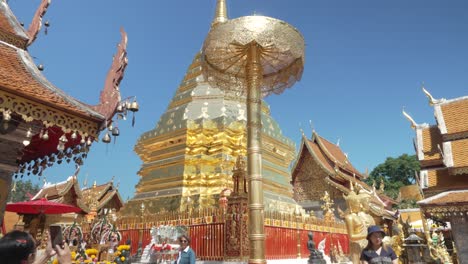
(407, 204)
(22, 189)
(395, 173)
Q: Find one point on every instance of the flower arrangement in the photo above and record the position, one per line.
(122, 255)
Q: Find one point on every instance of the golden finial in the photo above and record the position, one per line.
(221, 13)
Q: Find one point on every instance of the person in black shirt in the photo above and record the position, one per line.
(377, 252)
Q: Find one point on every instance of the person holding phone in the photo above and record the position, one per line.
(19, 247)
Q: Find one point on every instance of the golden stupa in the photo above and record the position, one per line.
(189, 156)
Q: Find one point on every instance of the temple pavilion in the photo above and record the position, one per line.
(40, 124)
(442, 150)
(189, 156)
(93, 201)
(322, 166)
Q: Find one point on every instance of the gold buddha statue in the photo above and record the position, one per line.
(357, 220)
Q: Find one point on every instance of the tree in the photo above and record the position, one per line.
(395, 173)
(23, 188)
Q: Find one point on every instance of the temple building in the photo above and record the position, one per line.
(322, 166)
(93, 201)
(40, 124)
(442, 150)
(189, 156)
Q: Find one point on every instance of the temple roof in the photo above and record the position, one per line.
(11, 30)
(460, 151)
(329, 155)
(445, 198)
(58, 192)
(55, 122)
(452, 115)
(338, 167)
(429, 147)
(86, 199)
(20, 76)
(102, 194)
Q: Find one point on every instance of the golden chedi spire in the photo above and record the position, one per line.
(221, 15)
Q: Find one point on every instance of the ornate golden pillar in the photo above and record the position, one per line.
(256, 56)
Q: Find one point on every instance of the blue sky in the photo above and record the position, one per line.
(365, 61)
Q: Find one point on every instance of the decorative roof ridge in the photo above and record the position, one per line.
(112, 193)
(36, 22)
(27, 61)
(71, 182)
(296, 162)
(47, 186)
(319, 139)
(97, 186)
(314, 155)
(10, 16)
(110, 94)
(440, 195)
(442, 101)
(448, 101)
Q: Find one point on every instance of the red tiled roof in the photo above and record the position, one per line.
(320, 155)
(19, 76)
(336, 155)
(10, 28)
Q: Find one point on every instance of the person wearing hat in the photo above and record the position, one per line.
(376, 252)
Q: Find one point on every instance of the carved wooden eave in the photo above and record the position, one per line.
(446, 204)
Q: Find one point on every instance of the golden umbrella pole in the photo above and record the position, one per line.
(253, 56)
(254, 155)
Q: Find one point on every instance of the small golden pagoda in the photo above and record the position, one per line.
(189, 156)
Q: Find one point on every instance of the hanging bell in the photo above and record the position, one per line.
(60, 146)
(63, 139)
(106, 139)
(29, 133)
(45, 136)
(134, 106)
(89, 142)
(119, 108)
(6, 115)
(115, 131)
(73, 135)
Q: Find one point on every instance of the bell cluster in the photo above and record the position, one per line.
(122, 110)
(76, 154)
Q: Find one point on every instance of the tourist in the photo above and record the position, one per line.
(19, 247)
(377, 252)
(186, 254)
